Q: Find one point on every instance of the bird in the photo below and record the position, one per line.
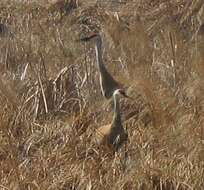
(113, 135)
(107, 83)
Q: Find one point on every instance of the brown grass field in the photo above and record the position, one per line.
(51, 101)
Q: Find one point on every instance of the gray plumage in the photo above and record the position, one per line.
(107, 83)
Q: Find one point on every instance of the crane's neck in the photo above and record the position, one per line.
(116, 109)
(98, 49)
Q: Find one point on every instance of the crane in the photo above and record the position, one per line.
(107, 83)
(113, 135)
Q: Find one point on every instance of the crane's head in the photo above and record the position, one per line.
(121, 92)
(92, 35)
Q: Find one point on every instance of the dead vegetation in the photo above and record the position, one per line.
(51, 102)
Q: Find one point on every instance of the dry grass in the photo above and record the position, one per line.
(51, 101)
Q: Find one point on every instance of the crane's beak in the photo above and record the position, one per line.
(88, 38)
(125, 95)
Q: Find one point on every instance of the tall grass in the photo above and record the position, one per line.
(51, 101)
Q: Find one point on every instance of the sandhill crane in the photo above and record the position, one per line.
(107, 82)
(113, 134)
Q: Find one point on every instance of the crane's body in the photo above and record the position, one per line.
(113, 134)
